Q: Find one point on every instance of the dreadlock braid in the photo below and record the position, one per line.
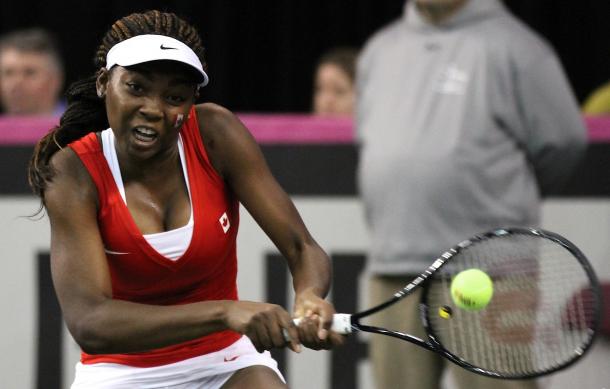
(86, 112)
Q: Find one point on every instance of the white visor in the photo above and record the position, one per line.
(146, 48)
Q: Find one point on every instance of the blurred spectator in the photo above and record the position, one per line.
(31, 73)
(334, 82)
(598, 103)
(465, 119)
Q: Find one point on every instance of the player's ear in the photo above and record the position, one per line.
(101, 82)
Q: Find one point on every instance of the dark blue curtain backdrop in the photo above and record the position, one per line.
(261, 53)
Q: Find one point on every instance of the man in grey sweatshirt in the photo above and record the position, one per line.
(465, 120)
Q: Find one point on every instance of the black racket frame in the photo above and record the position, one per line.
(433, 343)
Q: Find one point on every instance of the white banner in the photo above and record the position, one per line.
(336, 223)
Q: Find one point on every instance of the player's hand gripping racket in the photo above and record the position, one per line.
(541, 313)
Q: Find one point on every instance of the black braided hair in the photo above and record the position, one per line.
(86, 112)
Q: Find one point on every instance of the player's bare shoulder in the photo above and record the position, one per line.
(224, 135)
(217, 122)
(70, 180)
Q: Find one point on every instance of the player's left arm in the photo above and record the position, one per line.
(236, 156)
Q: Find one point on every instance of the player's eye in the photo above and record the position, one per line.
(176, 99)
(134, 87)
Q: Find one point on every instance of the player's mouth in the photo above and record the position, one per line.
(145, 135)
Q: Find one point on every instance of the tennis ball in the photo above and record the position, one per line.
(472, 289)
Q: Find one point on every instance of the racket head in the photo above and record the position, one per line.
(542, 317)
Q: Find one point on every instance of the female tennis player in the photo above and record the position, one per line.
(142, 189)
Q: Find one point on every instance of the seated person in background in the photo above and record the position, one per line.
(31, 73)
(334, 82)
(598, 102)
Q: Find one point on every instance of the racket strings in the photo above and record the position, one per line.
(540, 315)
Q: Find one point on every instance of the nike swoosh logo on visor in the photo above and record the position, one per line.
(231, 359)
(167, 47)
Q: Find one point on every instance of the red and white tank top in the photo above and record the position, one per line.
(173, 243)
(139, 273)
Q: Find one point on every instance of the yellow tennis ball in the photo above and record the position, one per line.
(472, 289)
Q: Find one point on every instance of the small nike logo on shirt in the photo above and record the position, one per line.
(167, 47)
(114, 252)
(231, 359)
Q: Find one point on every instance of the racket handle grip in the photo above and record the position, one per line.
(342, 323)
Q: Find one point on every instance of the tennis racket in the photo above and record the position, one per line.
(543, 315)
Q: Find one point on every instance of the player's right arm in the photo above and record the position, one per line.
(99, 323)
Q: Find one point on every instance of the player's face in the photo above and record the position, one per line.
(333, 91)
(30, 82)
(146, 105)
